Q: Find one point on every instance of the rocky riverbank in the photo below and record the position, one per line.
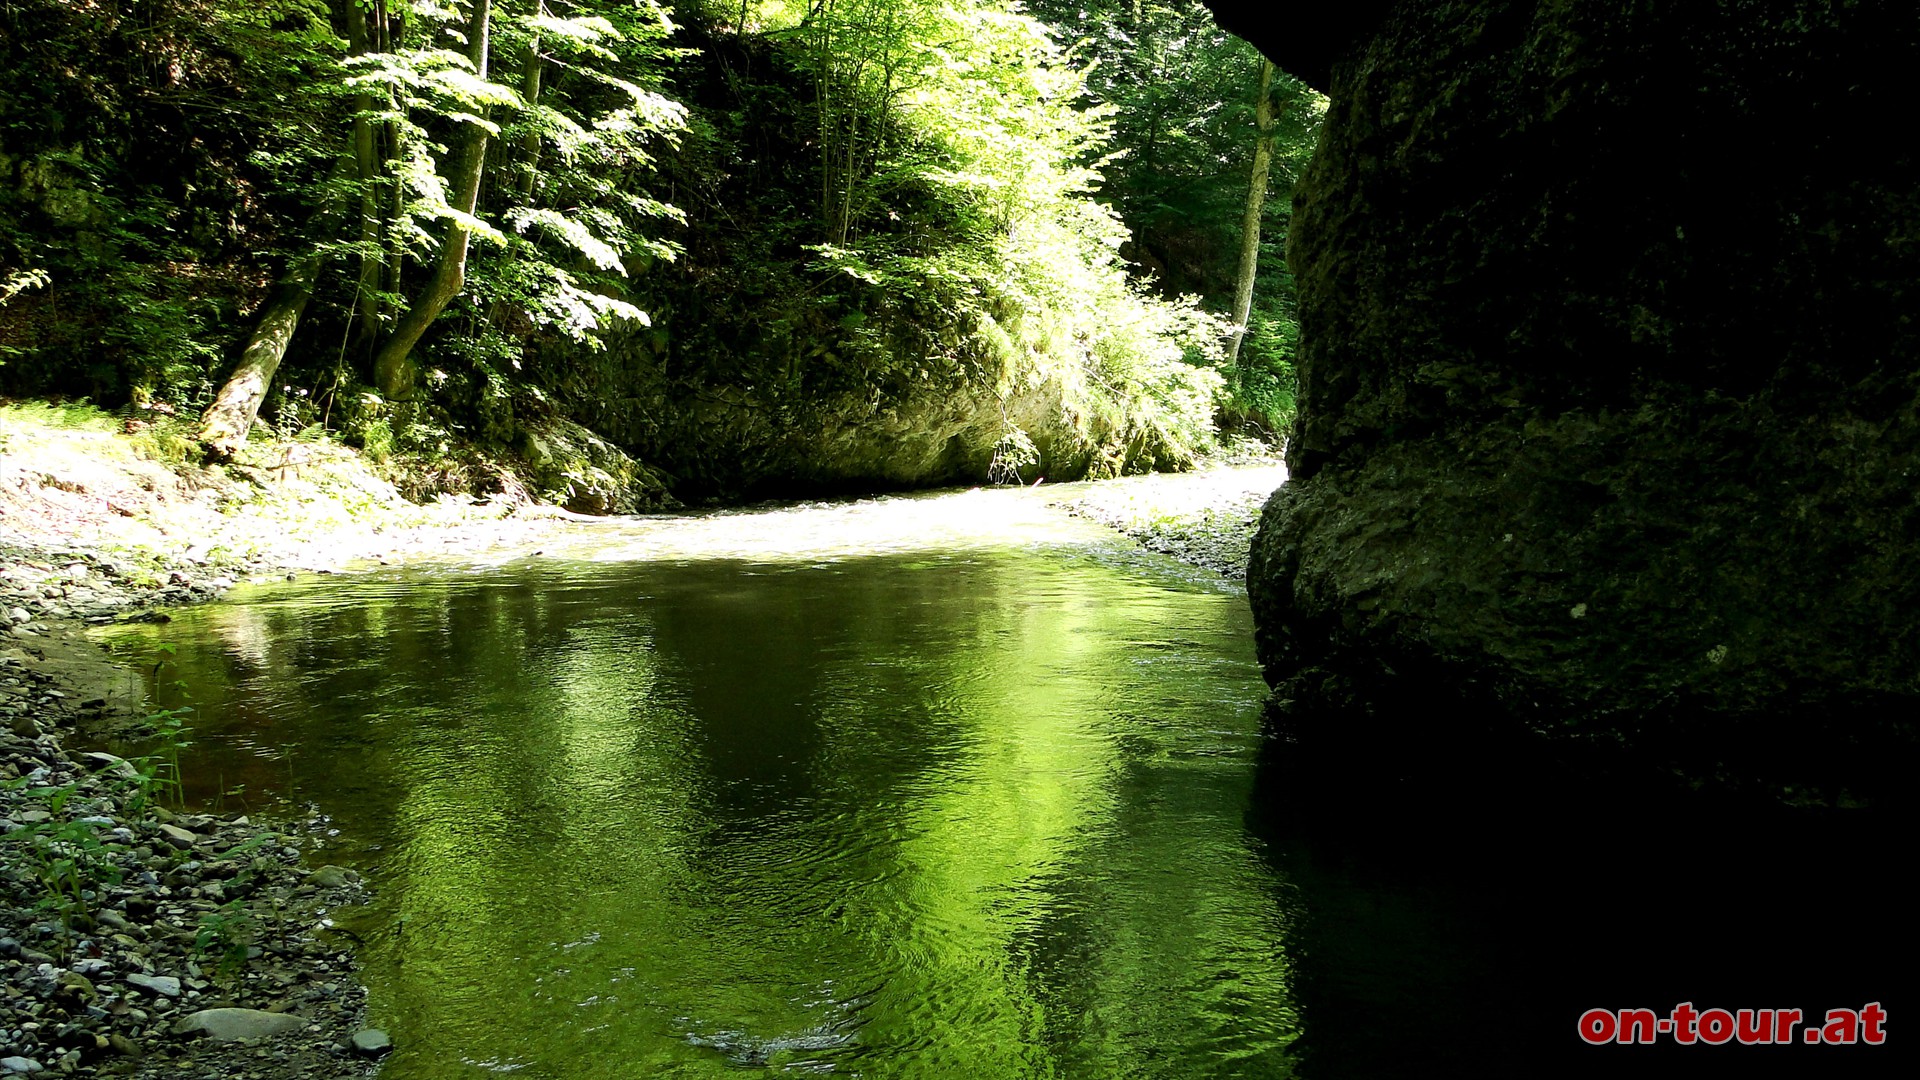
(135, 939)
(1205, 518)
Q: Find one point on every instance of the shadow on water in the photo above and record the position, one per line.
(1464, 903)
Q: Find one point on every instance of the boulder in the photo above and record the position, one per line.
(1609, 420)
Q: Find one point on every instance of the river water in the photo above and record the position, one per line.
(932, 786)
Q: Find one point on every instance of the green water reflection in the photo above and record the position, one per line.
(971, 815)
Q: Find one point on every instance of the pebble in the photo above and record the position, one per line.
(112, 763)
(179, 837)
(164, 985)
(332, 877)
(20, 1065)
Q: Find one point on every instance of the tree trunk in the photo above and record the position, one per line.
(393, 368)
(1250, 225)
(367, 167)
(390, 26)
(224, 426)
(530, 71)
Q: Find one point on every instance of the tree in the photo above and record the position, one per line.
(1256, 206)
(393, 370)
(225, 424)
(1185, 139)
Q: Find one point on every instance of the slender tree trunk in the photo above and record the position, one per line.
(823, 107)
(843, 217)
(386, 25)
(1250, 225)
(367, 166)
(393, 368)
(530, 71)
(224, 426)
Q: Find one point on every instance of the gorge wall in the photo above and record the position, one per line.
(1610, 404)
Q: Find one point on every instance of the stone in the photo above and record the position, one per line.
(371, 1042)
(18, 615)
(78, 985)
(332, 877)
(20, 1065)
(163, 985)
(177, 836)
(237, 1025)
(1595, 316)
(112, 764)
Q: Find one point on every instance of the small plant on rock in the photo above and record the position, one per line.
(67, 858)
(1014, 451)
(159, 771)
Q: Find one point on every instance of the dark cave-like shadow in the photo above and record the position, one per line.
(1466, 902)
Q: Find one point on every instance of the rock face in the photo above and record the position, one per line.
(1610, 406)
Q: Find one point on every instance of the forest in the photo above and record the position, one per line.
(617, 254)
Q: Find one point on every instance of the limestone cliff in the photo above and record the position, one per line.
(1610, 415)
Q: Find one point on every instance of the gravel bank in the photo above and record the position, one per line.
(1205, 518)
(136, 940)
(124, 925)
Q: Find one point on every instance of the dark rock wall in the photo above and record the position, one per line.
(1610, 416)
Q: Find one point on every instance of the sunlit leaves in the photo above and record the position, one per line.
(428, 78)
(568, 231)
(979, 106)
(582, 36)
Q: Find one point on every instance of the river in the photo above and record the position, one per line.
(948, 785)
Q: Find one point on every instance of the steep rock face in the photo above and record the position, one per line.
(1610, 415)
(727, 436)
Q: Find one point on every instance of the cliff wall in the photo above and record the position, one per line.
(1610, 415)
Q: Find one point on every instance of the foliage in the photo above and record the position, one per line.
(573, 140)
(224, 937)
(158, 771)
(145, 268)
(972, 196)
(1183, 94)
(751, 241)
(66, 858)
